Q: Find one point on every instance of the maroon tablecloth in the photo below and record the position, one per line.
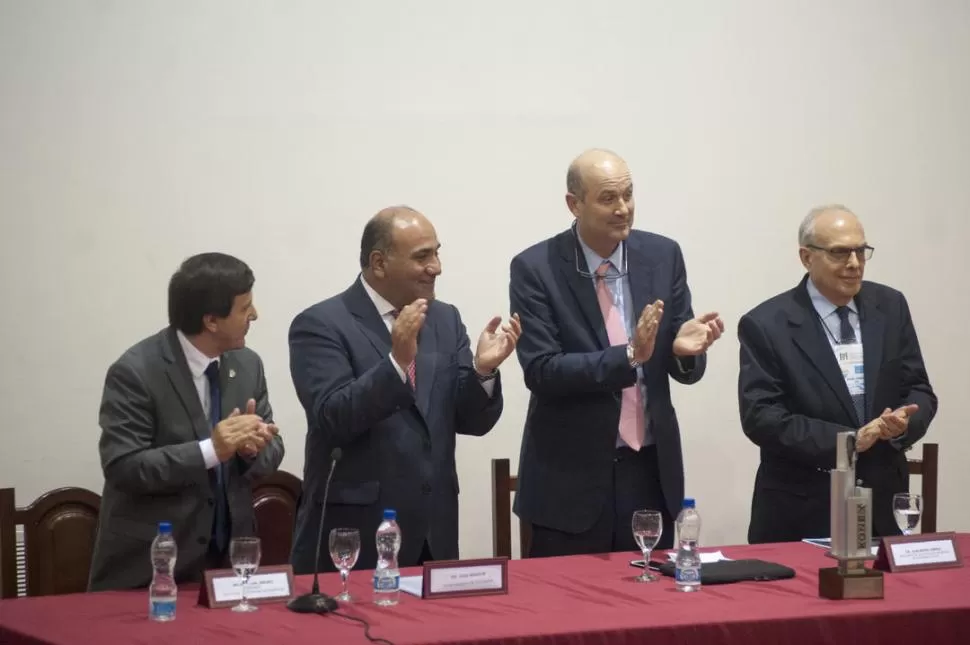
(579, 600)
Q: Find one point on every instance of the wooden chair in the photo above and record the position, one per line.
(928, 468)
(503, 485)
(60, 528)
(274, 503)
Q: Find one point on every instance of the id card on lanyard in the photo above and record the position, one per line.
(852, 366)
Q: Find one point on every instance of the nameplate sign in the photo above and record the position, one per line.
(918, 552)
(457, 578)
(223, 588)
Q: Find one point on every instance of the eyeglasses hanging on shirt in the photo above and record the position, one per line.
(577, 247)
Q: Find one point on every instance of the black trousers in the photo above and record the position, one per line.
(636, 486)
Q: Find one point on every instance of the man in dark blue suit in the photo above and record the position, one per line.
(384, 372)
(609, 319)
(833, 354)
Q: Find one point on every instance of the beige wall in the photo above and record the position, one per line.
(133, 134)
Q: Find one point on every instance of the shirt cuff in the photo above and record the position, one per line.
(400, 372)
(488, 386)
(208, 454)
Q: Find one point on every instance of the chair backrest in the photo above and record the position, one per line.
(275, 498)
(60, 528)
(503, 485)
(928, 468)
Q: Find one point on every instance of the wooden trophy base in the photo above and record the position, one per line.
(862, 584)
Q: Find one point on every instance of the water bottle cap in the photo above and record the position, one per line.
(390, 514)
(164, 527)
(688, 502)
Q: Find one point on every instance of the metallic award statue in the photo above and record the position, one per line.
(851, 508)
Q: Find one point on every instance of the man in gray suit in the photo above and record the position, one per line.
(186, 427)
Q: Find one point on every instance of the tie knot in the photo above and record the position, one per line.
(212, 371)
(603, 268)
(395, 313)
(843, 313)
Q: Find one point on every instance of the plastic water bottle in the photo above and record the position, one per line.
(163, 593)
(387, 577)
(688, 562)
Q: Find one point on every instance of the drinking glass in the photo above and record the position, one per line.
(344, 549)
(907, 508)
(647, 529)
(244, 554)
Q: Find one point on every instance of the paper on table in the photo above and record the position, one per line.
(412, 585)
(826, 543)
(706, 558)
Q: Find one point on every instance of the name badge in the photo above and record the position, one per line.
(455, 578)
(918, 552)
(852, 366)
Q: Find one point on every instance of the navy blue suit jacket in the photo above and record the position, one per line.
(575, 377)
(793, 402)
(398, 444)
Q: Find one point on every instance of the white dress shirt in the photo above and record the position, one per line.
(198, 362)
(386, 311)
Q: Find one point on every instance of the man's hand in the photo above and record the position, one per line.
(234, 431)
(697, 334)
(495, 345)
(645, 334)
(868, 435)
(264, 434)
(404, 332)
(896, 422)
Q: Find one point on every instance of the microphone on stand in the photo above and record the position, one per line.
(316, 602)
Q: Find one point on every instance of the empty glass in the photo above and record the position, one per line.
(907, 507)
(647, 529)
(344, 549)
(244, 554)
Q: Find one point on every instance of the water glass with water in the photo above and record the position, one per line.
(244, 554)
(344, 549)
(907, 507)
(647, 529)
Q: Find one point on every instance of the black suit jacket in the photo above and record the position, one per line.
(151, 424)
(794, 401)
(575, 377)
(398, 444)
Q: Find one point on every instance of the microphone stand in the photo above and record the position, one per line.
(316, 602)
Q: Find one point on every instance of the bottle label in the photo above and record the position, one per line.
(688, 575)
(385, 584)
(162, 608)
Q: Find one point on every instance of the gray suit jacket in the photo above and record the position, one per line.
(151, 421)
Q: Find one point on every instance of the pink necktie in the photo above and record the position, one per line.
(631, 404)
(410, 369)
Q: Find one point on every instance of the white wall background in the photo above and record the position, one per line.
(135, 133)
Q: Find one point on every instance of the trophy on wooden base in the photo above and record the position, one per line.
(851, 513)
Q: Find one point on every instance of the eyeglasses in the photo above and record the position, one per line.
(841, 253)
(586, 274)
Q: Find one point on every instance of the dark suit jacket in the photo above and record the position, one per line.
(151, 424)
(794, 401)
(398, 444)
(576, 377)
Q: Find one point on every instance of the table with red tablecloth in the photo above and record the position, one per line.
(576, 600)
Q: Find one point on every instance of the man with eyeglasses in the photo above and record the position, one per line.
(608, 321)
(835, 353)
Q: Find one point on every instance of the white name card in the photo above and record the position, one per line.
(222, 587)
(453, 578)
(919, 552)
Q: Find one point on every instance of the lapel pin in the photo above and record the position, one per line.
(232, 373)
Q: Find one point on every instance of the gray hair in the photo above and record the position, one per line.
(806, 231)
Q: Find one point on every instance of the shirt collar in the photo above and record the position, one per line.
(594, 260)
(823, 305)
(384, 308)
(198, 362)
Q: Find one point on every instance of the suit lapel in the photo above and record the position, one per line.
(640, 266)
(582, 287)
(808, 334)
(227, 385)
(424, 365)
(181, 379)
(362, 308)
(873, 323)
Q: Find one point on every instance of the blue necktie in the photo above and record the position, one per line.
(220, 525)
(847, 336)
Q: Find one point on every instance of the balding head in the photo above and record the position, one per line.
(599, 193)
(399, 255)
(833, 249)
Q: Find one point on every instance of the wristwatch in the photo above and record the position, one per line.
(634, 364)
(484, 378)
